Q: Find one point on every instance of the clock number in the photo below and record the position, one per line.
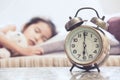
(90, 56)
(91, 35)
(84, 58)
(74, 51)
(75, 40)
(85, 33)
(73, 45)
(97, 45)
(95, 40)
(79, 35)
(95, 51)
(78, 55)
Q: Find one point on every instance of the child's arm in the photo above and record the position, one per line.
(31, 50)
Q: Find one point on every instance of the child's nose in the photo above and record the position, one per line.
(38, 37)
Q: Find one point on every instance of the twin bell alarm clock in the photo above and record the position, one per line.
(86, 45)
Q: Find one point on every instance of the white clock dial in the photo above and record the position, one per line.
(83, 45)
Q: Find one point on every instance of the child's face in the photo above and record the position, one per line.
(37, 33)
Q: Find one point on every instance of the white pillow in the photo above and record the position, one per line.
(112, 40)
(55, 44)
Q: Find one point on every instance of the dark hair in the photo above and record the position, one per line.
(39, 19)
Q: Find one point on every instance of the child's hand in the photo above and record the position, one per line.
(34, 50)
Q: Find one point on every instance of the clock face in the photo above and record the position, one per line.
(83, 45)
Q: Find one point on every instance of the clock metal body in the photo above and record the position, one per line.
(86, 46)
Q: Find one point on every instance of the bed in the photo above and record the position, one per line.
(55, 56)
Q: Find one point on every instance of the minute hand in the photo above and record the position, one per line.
(84, 45)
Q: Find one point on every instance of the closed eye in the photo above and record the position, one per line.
(44, 38)
(37, 30)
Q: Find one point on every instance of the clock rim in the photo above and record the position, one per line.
(103, 53)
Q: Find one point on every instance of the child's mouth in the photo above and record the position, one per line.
(31, 42)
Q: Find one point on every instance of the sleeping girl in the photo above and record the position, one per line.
(37, 30)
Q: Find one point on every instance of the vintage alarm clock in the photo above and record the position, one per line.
(86, 46)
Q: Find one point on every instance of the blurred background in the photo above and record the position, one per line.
(19, 12)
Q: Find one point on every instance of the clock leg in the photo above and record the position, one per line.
(72, 67)
(87, 68)
(96, 65)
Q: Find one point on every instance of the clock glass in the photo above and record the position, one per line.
(83, 45)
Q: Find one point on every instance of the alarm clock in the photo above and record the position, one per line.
(86, 45)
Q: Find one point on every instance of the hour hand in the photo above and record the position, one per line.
(84, 34)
